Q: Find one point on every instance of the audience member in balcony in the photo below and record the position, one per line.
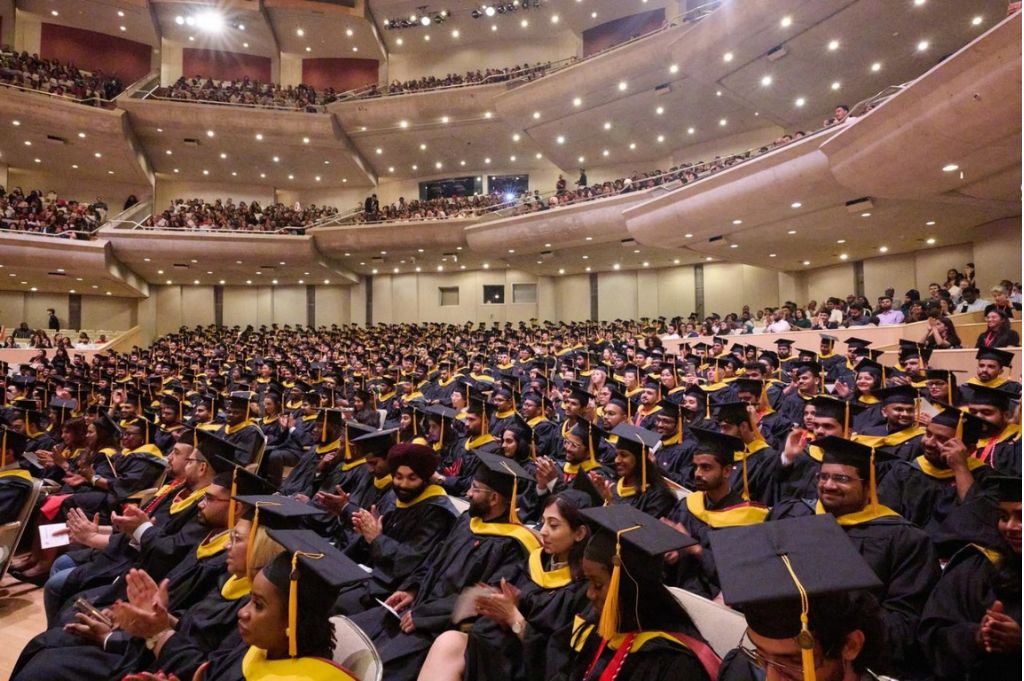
(227, 215)
(969, 301)
(1001, 298)
(398, 87)
(51, 76)
(915, 313)
(997, 333)
(47, 214)
(248, 92)
(842, 112)
(886, 315)
(909, 298)
(777, 322)
(800, 319)
(941, 333)
(130, 201)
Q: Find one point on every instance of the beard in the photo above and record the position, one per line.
(477, 509)
(406, 495)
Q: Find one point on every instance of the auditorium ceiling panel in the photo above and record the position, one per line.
(51, 265)
(103, 16)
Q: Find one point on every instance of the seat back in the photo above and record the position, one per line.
(722, 627)
(10, 533)
(143, 496)
(461, 505)
(383, 414)
(354, 650)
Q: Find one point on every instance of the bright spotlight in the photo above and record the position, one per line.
(210, 21)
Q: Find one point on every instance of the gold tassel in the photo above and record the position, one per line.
(959, 435)
(251, 540)
(872, 487)
(608, 626)
(293, 607)
(513, 512)
(323, 429)
(348, 447)
(643, 469)
(746, 484)
(231, 500)
(949, 388)
(846, 419)
(804, 639)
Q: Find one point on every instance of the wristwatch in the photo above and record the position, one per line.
(518, 626)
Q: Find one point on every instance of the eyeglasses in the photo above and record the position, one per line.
(193, 459)
(839, 479)
(796, 673)
(207, 499)
(476, 488)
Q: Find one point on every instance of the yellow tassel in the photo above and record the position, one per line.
(608, 625)
(872, 486)
(949, 389)
(293, 607)
(643, 469)
(959, 435)
(805, 639)
(846, 420)
(231, 500)
(746, 485)
(252, 539)
(348, 447)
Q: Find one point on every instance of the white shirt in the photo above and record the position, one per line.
(780, 326)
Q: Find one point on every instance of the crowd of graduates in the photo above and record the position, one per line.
(515, 502)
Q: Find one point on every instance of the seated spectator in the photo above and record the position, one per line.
(48, 214)
(856, 316)
(50, 76)
(941, 334)
(969, 300)
(1001, 299)
(885, 314)
(248, 92)
(997, 333)
(198, 214)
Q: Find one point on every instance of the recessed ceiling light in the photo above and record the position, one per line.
(554, 18)
(607, 125)
(836, 85)
(403, 124)
(38, 160)
(709, 258)
(423, 146)
(800, 101)
(391, 169)
(807, 262)
(581, 159)
(74, 166)
(930, 241)
(593, 15)
(125, 28)
(379, 151)
(399, 41)
(299, 32)
(976, 21)
(676, 261)
(210, 133)
(840, 241)
(786, 22)
(718, 93)
(28, 143)
(81, 135)
(727, 57)
(918, 3)
(795, 204)
(98, 155)
(455, 33)
(865, 215)
(922, 46)
(877, 66)
(660, 110)
(661, 138)
(223, 155)
(766, 81)
(737, 222)
(488, 114)
(772, 255)
(245, 44)
(159, 271)
(309, 49)
(734, 245)
(560, 139)
(674, 68)
(690, 131)
(843, 256)
(723, 122)
(561, 270)
(206, 172)
(515, 137)
(524, 23)
(120, 13)
(276, 159)
(883, 249)
(577, 101)
(539, 156)
(632, 145)
(950, 167)
(791, 232)
(930, 223)
(623, 85)
(487, 160)
(833, 45)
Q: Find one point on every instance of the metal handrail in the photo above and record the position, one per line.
(89, 235)
(136, 225)
(512, 76)
(84, 100)
(321, 108)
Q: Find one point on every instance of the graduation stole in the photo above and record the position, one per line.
(751, 449)
(867, 399)
(229, 430)
(673, 440)
(622, 490)
(16, 473)
(267, 420)
(746, 513)
(815, 452)
(515, 531)
(642, 413)
(349, 465)
(988, 444)
(624, 644)
(566, 427)
(547, 579)
(994, 383)
(536, 420)
(295, 404)
(889, 440)
(213, 544)
(933, 471)
(416, 395)
(504, 414)
(180, 504)
(869, 513)
(574, 469)
(149, 451)
(993, 557)
(427, 493)
(479, 441)
(256, 667)
(236, 587)
(328, 447)
(306, 418)
(382, 483)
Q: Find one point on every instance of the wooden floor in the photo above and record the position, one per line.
(21, 618)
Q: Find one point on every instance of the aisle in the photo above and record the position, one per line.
(21, 618)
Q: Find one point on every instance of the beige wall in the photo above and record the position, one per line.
(28, 32)
(676, 292)
(825, 282)
(333, 305)
(168, 190)
(572, 297)
(171, 61)
(997, 253)
(484, 55)
(415, 297)
(109, 313)
(291, 69)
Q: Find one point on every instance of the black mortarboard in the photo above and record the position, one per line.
(734, 413)
(783, 342)
(827, 338)
(670, 409)
(810, 366)
(897, 394)
(857, 343)
(578, 393)
(276, 512)
(1008, 488)
(502, 474)
(311, 571)
(378, 441)
(967, 426)
(779, 572)
(840, 410)
(13, 441)
(722, 447)
(1004, 358)
(992, 397)
(840, 450)
(212, 446)
(625, 539)
(754, 386)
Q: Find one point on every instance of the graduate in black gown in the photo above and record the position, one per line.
(971, 626)
(634, 627)
(394, 543)
(276, 641)
(639, 480)
(739, 420)
(989, 374)
(900, 554)
(940, 490)
(15, 484)
(240, 429)
(534, 625)
(806, 595)
(486, 545)
(900, 434)
(1000, 446)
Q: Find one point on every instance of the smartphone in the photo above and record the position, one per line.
(85, 607)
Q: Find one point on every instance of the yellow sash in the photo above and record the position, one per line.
(349, 465)
(229, 430)
(382, 483)
(622, 490)
(747, 513)
(16, 473)
(994, 383)
(504, 414)
(479, 441)
(256, 667)
(815, 452)
(751, 449)
(179, 505)
(236, 587)
(674, 440)
(524, 536)
(430, 491)
(933, 471)
(213, 545)
(554, 579)
(329, 447)
(1012, 431)
(575, 468)
(581, 631)
(864, 516)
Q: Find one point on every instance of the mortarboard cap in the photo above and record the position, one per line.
(722, 447)
(897, 394)
(968, 427)
(992, 397)
(1007, 487)
(1004, 358)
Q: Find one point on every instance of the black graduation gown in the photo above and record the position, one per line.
(465, 559)
(499, 423)
(905, 561)
(457, 483)
(927, 497)
(906, 450)
(791, 408)
(799, 480)
(545, 651)
(658, 660)
(305, 478)
(546, 437)
(676, 460)
(128, 473)
(247, 436)
(14, 492)
(409, 534)
(163, 546)
(970, 584)
(164, 438)
(774, 429)
(43, 657)
(1002, 452)
(1011, 387)
(760, 473)
(273, 431)
(657, 500)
